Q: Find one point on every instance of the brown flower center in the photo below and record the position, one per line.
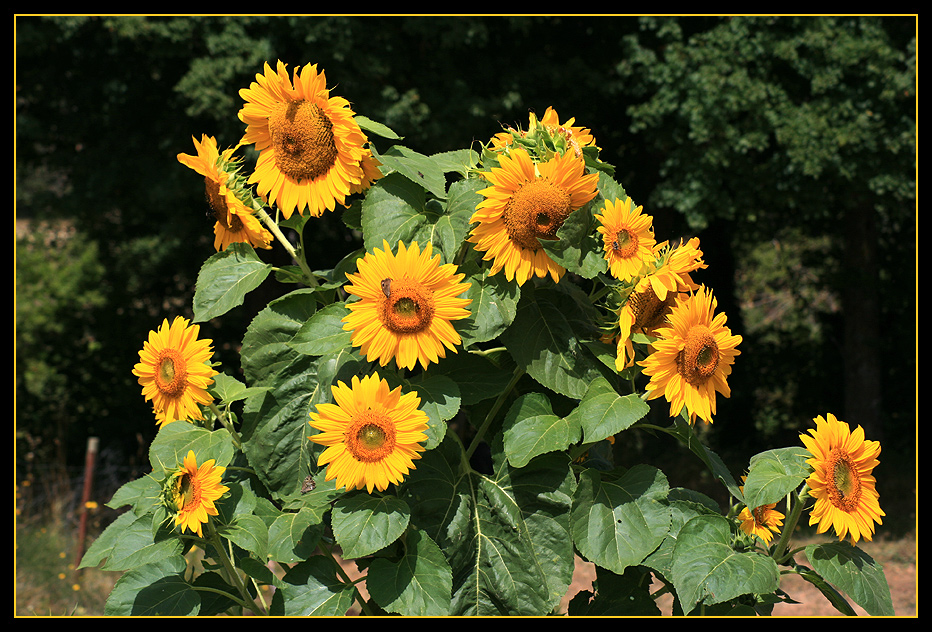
(698, 359)
(302, 137)
(536, 211)
(187, 491)
(625, 244)
(370, 436)
(649, 311)
(216, 201)
(844, 489)
(171, 376)
(408, 306)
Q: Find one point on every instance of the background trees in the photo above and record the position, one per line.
(786, 144)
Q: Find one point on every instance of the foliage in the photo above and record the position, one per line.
(533, 382)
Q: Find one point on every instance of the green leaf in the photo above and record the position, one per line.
(420, 169)
(531, 429)
(461, 161)
(618, 595)
(505, 535)
(228, 389)
(493, 307)
(323, 332)
(249, 533)
(396, 209)
(174, 440)
(131, 543)
(855, 573)
(419, 584)
(476, 376)
(440, 400)
(616, 523)
(311, 589)
(604, 413)
(276, 424)
(225, 278)
(374, 127)
(578, 246)
(685, 504)
(774, 474)
(546, 338)
(141, 494)
(156, 589)
(363, 524)
(266, 346)
(707, 569)
(294, 536)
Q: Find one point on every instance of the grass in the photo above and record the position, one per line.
(46, 581)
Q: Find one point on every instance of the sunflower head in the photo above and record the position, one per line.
(842, 480)
(174, 371)
(692, 357)
(407, 302)
(189, 493)
(372, 434)
(312, 152)
(545, 137)
(628, 238)
(528, 203)
(227, 196)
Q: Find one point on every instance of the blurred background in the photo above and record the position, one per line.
(786, 144)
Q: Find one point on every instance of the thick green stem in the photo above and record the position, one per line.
(280, 236)
(232, 575)
(790, 525)
(226, 424)
(518, 374)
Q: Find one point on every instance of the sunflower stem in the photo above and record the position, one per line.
(226, 424)
(476, 440)
(794, 512)
(280, 236)
(232, 575)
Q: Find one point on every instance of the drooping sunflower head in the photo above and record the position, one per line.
(312, 151)
(763, 521)
(692, 357)
(407, 302)
(527, 203)
(372, 434)
(190, 492)
(174, 371)
(628, 238)
(842, 480)
(234, 221)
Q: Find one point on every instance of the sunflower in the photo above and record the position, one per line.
(525, 204)
(841, 481)
(655, 294)
(174, 371)
(234, 221)
(568, 135)
(692, 358)
(406, 302)
(311, 150)
(628, 236)
(192, 491)
(763, 521)
(372, 434)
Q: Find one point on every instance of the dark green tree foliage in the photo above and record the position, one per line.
(775, 129)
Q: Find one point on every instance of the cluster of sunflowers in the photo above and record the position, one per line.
(313, 155)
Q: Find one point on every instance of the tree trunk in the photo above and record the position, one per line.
(860, 302)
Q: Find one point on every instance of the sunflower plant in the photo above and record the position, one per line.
(427, 427)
